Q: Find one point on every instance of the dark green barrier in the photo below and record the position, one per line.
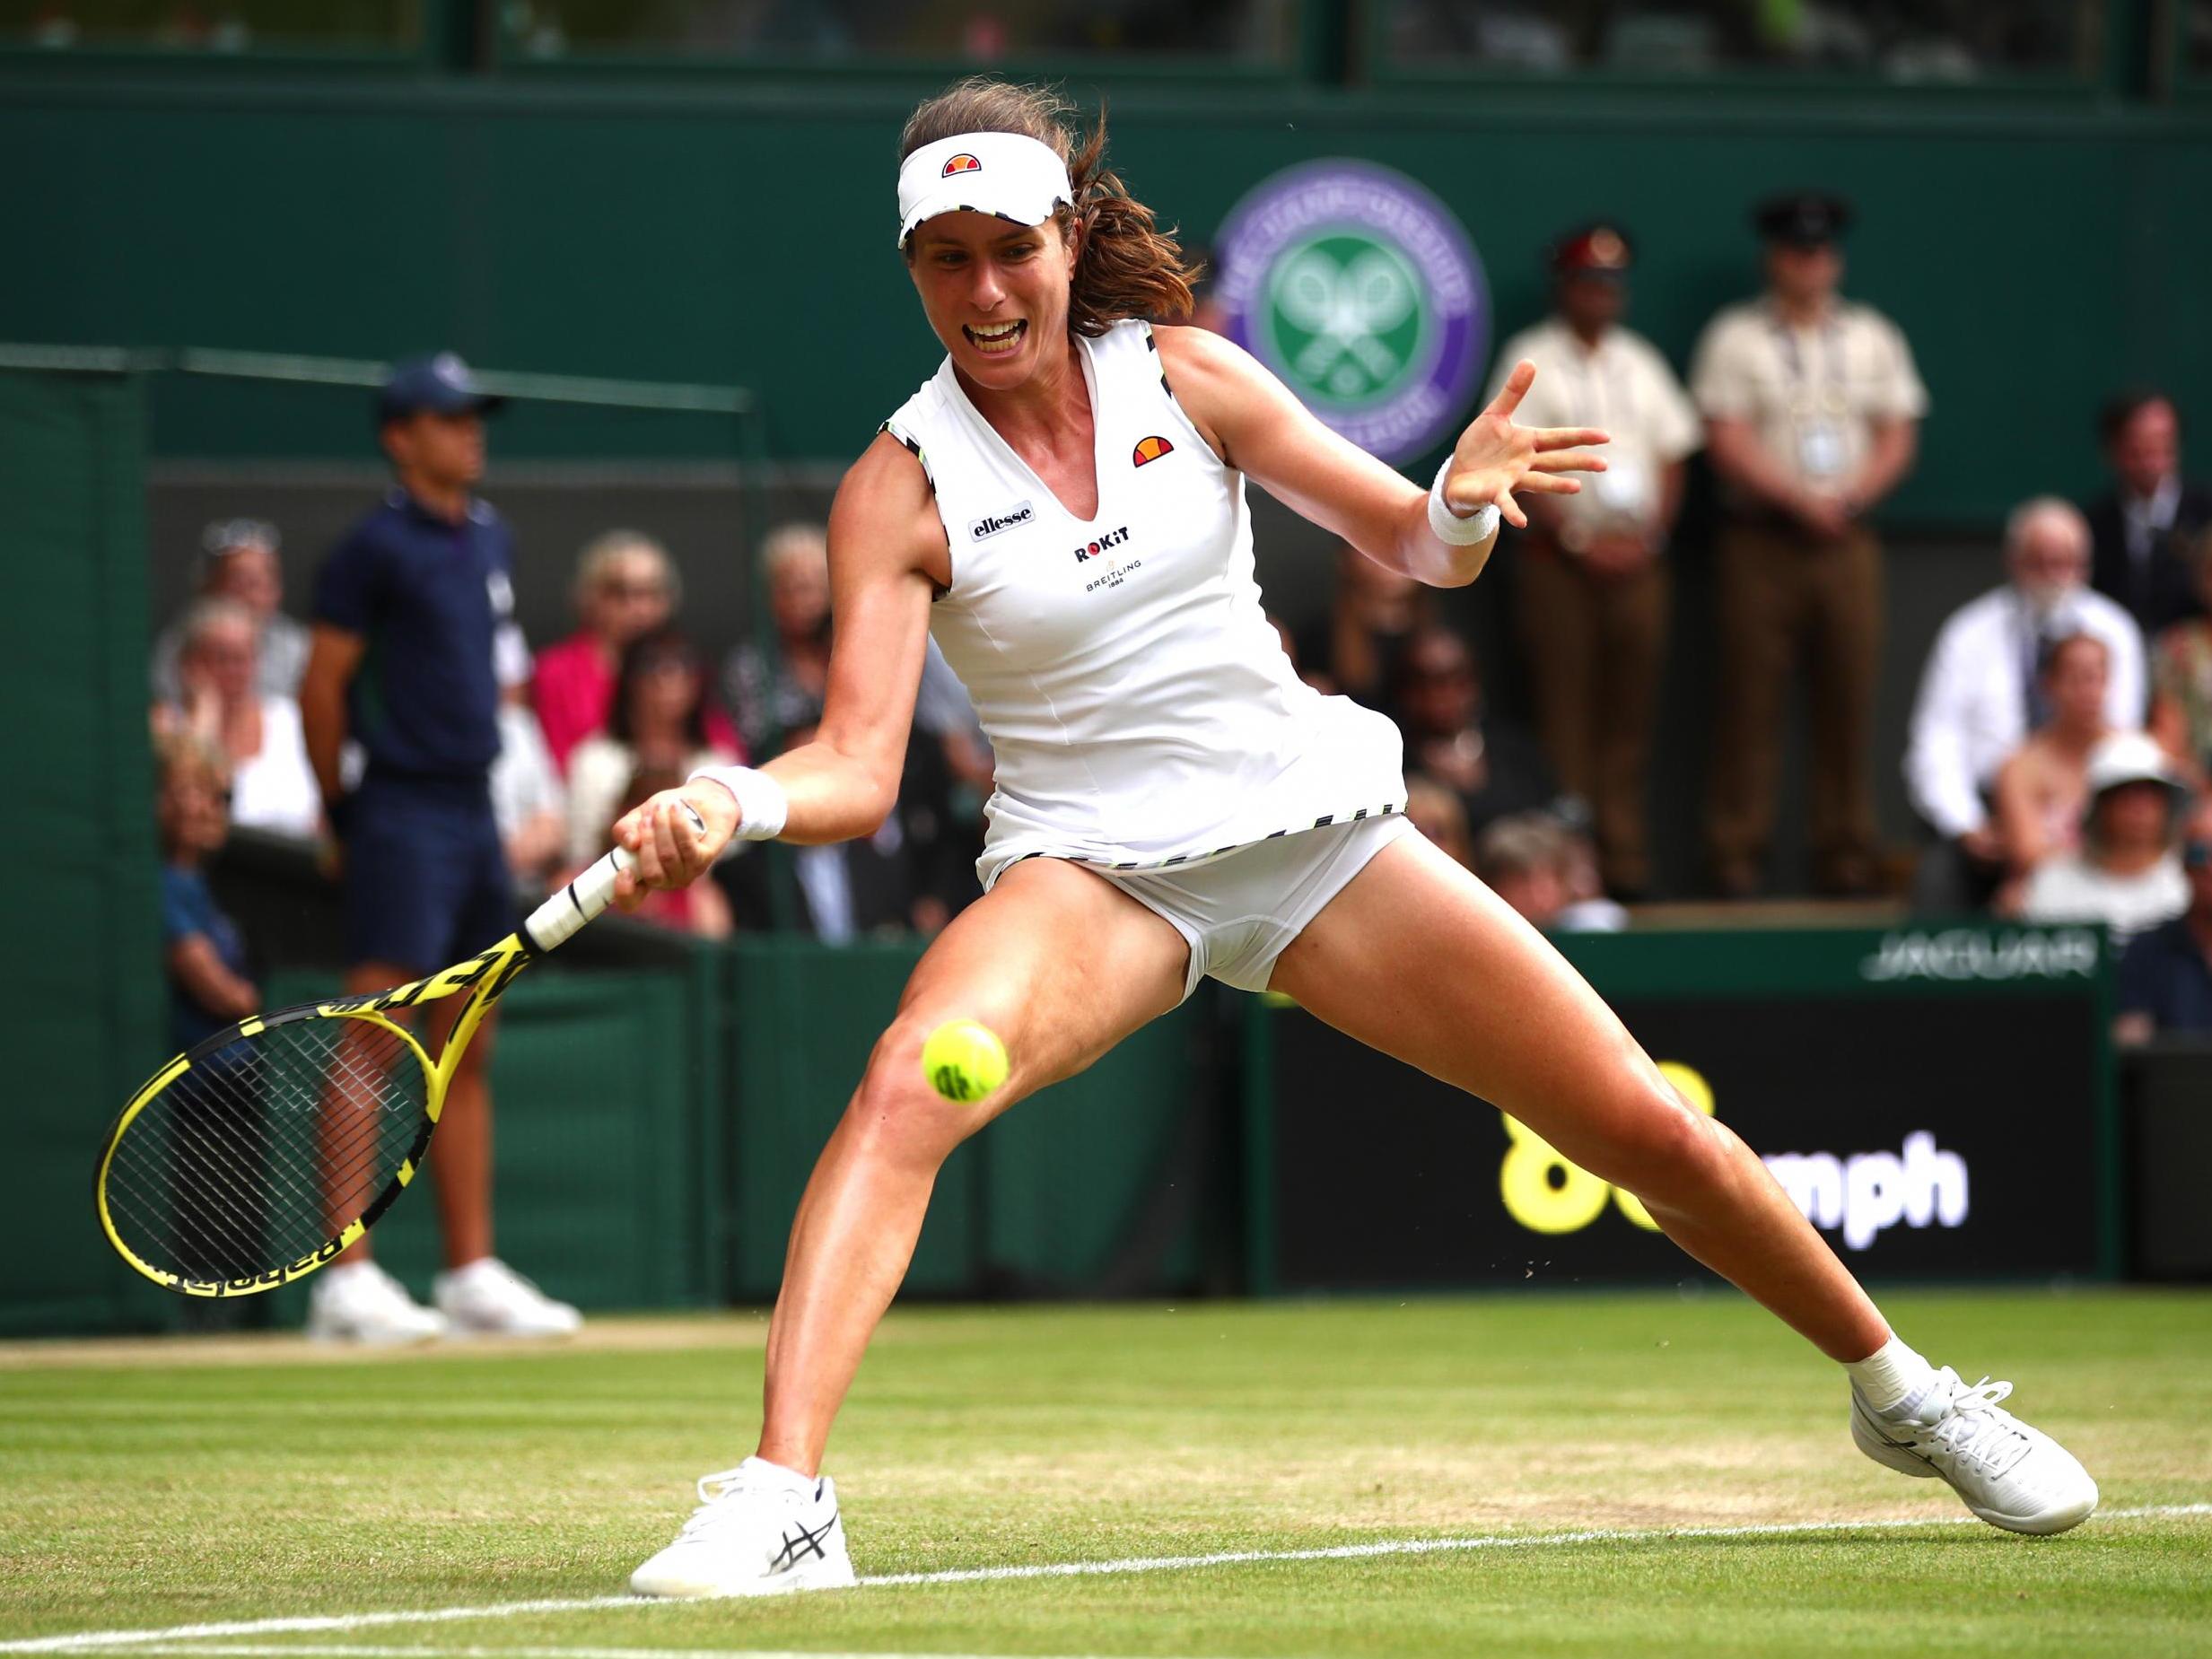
(1047, 1199)
(1938, 1102)
(80, 970)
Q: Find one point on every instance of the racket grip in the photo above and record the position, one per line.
(553, 922)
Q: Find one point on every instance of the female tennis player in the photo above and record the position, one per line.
(1062, 505)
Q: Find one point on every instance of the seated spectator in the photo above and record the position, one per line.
(203, 954)
(528, 801)
(2166, 976)
(844, 891)
(272, 786)
(626, 587)
(657, 722)
(1354, 646)
(779, 689)
(2043, 789)
(1523, 857)
(701, 909)
(2144, 521)
(1493, 766)
(1979, 695)
(2126, 874)
(1589, 909)
(1436, 812)
(2181, 678)
(237, 561)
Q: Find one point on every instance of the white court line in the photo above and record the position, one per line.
(100, 1640)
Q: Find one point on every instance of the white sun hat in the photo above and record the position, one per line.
(2131, 757)
(1003, 174)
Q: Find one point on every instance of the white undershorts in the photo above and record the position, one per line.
(1238, 912)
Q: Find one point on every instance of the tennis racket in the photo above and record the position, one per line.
(258, 1155)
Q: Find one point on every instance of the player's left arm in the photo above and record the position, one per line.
(1254, 424)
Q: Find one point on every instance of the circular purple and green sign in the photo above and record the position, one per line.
(1361, 290)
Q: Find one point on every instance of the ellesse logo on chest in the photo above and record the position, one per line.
(1006, 519)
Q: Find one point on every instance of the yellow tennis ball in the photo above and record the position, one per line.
(963, 1061)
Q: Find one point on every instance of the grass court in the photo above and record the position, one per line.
(1587, 1475)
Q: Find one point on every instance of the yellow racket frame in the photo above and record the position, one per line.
(489, 972)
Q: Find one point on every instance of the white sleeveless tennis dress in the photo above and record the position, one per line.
(1143, 715)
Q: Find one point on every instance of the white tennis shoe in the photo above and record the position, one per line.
(2011, 1475)
(360, 1302)
(489, 1298)
(759, 1530)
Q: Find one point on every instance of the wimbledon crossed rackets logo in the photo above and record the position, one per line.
(1359, 289)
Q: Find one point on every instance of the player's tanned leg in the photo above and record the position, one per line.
(1060, 964)
(1419, 959)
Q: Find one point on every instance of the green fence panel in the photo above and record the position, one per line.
(82, 964)
(595, 1092)
(1041, 1200)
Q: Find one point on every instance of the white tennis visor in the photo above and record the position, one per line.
(1003, 174)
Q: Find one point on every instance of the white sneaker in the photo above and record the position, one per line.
(2011, 1475)
(489, 1298)
(759, 1530)
(360, 1302)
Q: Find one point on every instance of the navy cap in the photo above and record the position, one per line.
(1803, 218)
(442, 384)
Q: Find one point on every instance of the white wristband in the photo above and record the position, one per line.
(762, 804)
(1448, 527)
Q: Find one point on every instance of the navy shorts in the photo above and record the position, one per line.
(427, 880)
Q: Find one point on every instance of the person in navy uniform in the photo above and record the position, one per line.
(413, 622)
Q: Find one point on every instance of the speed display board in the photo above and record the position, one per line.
(1936, 1105)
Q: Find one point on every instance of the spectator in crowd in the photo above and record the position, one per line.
(410, 611)
(2165, 974)
(701, 909)
(625, 586)
(2126, 874)
(844, 891)
(2043, 791)
(528, 801)
(2145, 522)
(1979, 697)
(1591, 584)
(237, 561)
(1589, 910)
(1812, 408)
(258, 733)
(1523, 857)
(203, 954)
(779, 688)
(1355, 646)
(2182, 677)
(657, 723)
(1493, 766)
(1436, 812)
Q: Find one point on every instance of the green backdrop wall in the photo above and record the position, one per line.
(2037, 252)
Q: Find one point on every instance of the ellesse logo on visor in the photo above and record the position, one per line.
(961, 164)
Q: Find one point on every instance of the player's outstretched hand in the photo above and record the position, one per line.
(1494, 458)
(672, 850)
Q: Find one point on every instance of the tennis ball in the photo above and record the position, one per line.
(963, 1061)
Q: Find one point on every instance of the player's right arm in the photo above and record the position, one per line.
(333, 656)
(886, 557)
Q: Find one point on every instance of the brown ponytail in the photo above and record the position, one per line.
(1125, 265)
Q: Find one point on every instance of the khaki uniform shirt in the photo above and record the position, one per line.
(1812, 396)
(1622, 384)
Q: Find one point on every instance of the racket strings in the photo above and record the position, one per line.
(256, 1154)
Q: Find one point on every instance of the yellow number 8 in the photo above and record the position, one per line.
(1545, 1193)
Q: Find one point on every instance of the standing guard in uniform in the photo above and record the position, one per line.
(1592, 586)
(1813, 407)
